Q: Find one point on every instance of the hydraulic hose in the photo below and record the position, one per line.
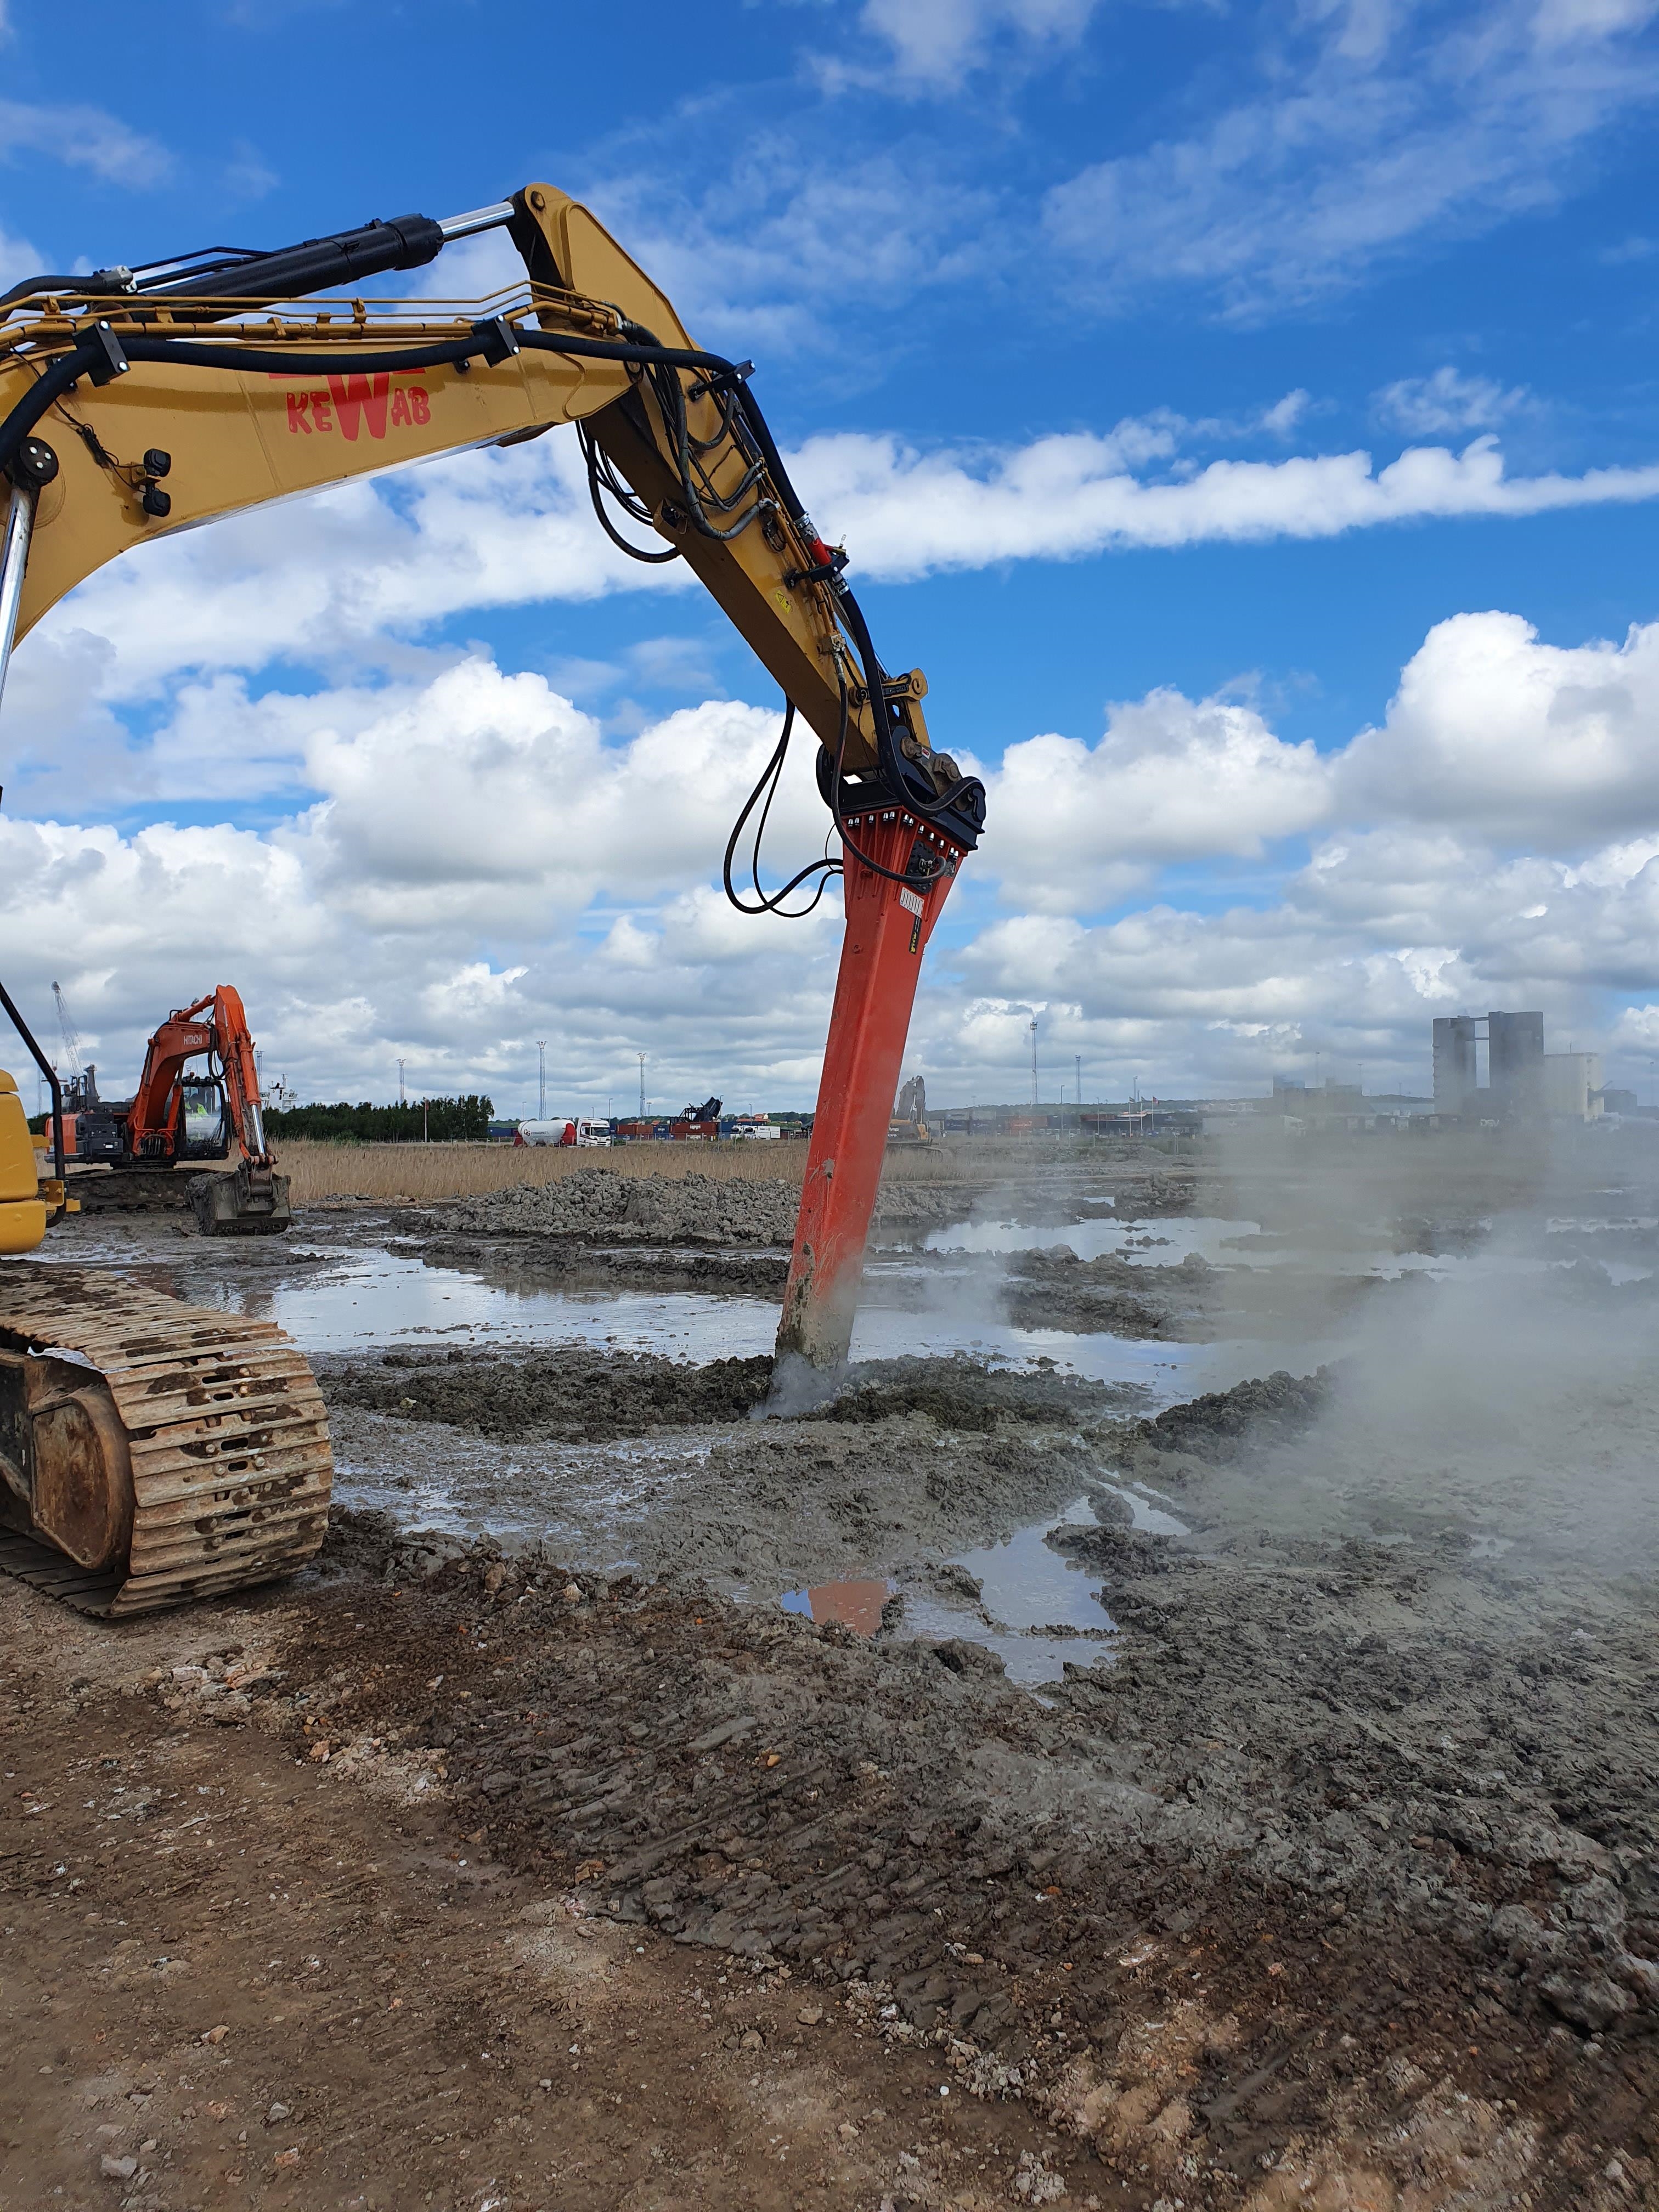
(91, 356)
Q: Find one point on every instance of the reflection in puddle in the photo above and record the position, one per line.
(857, 1605)
(1043, 1609)
(1163, 1242)
(386, 1299)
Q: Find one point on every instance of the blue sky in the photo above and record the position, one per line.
(1256, 406)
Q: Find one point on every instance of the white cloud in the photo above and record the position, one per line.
(18, 259)
(438, 901)
(85, 138)
(936, 42)
(753, 250)
(484, 795)
(1172, 779)
(1448, 404)
(1524, 741)
(1374, 133)
(316, 580)
(481, 868)
(248, 174)
(907, 514)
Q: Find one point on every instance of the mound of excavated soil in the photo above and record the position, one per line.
(600, 1203)
(527, 1263)
(1260, 1413)
(573, 1392)
(570, 1392)
(783, 1504)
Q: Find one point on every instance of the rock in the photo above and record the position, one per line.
(496, 1577)
(117, 2169)
(809, 2015)
(214, 2035)
(572, 1594)
(1516, 1932)
(1404, 2077)
(750, 2040)
(289, 2157)
(276, 2112)
(963, 1657)
(847, 2131)
(1587, 2000)
(711, 1739)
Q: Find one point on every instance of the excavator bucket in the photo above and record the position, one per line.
(887, 926)
(248, 1202)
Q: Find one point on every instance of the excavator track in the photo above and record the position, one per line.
(220, 1421)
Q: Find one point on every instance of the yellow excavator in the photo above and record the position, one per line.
(150, 1451)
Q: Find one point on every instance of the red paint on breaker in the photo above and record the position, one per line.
(888, 926)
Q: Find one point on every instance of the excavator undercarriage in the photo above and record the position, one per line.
(150, 1451)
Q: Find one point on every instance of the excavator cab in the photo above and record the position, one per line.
(204, 1120)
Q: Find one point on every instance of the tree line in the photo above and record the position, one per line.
(442, 1120)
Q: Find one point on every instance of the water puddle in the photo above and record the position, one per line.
(856, 1605)
(1164, 1243)
(1043, 1610)
(1148, 1519)
(383, 1299)
(379, 1298)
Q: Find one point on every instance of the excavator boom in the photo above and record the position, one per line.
(135, 404)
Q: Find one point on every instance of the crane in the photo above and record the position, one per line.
(71, 1041)
(136, 401)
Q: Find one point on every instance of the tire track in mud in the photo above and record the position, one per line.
(967, 1870)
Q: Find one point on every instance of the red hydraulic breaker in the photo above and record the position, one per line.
(888, 926)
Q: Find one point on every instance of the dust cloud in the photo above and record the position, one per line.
(1483, 1308)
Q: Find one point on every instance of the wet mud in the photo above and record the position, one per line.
(1318, 1862)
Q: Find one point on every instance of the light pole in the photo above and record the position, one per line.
(541, 1078)
(1034, 1075)
(1078, 1063)
(641, 1060)
(400, 1083)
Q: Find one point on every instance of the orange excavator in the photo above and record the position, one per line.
(148, 1451)
(177, 1119)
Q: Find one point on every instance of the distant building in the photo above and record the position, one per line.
(1291, 1096)
(1456, 1077)
(1514, 1089)
(1572, 1085)
(1515, 1060)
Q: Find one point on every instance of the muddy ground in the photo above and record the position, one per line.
(558, 1865)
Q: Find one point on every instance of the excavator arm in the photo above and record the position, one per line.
(136, 404)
